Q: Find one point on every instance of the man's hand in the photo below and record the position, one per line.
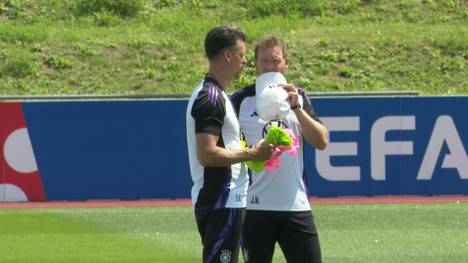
(293, 93)
(262, 150)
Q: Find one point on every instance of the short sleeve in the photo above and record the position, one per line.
(308, 106)
(209, 110)
(240, 95)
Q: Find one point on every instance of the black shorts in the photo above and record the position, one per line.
(294, 231)
(220, 231)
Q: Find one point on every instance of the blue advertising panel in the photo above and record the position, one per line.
(137, 149)
(108, 150)
(391, 146)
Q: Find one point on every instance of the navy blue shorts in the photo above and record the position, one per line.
(220, 231)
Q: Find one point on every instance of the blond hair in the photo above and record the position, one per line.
(270, 42)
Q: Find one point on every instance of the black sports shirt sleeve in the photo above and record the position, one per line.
(209, 110)
(307, 106)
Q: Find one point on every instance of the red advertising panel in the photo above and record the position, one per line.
(19, 175)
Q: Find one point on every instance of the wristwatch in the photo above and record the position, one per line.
(297, 106)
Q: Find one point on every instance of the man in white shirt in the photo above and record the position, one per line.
(278, 208)
(215, 150)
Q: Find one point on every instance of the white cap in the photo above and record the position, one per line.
(272, 101)
(267, 79)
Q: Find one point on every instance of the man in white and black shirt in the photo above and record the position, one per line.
(278, 208)
(215, 150)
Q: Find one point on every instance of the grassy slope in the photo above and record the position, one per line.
(352, 45)
(348, 233)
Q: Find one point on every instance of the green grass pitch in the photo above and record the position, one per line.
(348, 233)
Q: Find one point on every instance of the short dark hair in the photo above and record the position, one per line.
(270, 42)
(221, 37)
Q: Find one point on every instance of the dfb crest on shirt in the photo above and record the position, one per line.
(267, 126)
